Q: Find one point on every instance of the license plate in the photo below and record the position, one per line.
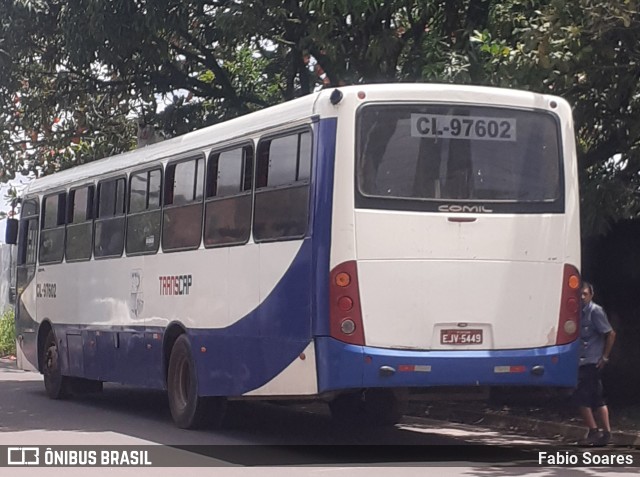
(460, 337)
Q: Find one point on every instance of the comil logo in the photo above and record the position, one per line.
(23, 456)
(465, 208)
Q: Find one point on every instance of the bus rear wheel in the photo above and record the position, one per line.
(56, 385)
(369, 407)
(190, 411)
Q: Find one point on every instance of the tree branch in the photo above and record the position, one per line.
(211, 62)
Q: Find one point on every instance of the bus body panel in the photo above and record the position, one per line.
(421, 273)
(324, 208)
(125, 321)
(26, 319)
(411, 304)
(157, 289)
(345, 366)
(425, 274)
(428, 236)
(298, 379)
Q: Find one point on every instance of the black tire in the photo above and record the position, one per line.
(56, 385)
(190, 411)
(369, 407)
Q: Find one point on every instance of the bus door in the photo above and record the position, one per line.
(26, 313)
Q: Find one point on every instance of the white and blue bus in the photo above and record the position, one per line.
(345, 246)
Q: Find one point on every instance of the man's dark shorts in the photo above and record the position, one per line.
(589, 391)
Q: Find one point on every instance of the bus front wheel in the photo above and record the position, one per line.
(190, 411)
(369, 407)
(56, 385)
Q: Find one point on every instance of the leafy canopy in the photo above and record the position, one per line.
(77, 76)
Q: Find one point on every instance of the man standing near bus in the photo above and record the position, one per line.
(597, 337)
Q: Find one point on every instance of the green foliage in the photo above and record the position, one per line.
(76, 75)
(587, 52)
(7, 333)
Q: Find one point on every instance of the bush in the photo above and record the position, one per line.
(7, 333)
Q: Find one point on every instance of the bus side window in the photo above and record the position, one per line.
(53, 228)
(183, 196)
(143, 223)
(80, 224)
(28, 233)
(110, 219)
(282, 187)
(28, 241)
(227, 219)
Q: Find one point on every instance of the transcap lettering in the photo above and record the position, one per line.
(175, 284)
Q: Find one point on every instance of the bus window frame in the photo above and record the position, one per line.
(25, 218)
(91, 210)
(416, 204)
(193, 155)
(97, 219)
(298, 130)
(243, 145)
(160, 208)
(60, 214)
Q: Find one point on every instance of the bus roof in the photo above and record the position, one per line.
(280, 115)
(289, 112)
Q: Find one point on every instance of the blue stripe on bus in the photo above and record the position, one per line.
(322, 213)
(344, 366)
(238, 358)
(254, 350)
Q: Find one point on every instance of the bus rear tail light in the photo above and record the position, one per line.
(569, 322)
(345, 315)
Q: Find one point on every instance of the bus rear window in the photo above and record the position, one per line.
(418, 157)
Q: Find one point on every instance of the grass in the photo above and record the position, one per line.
(7, 333)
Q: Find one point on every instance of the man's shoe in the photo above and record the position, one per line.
(603, 440)
(593, 437)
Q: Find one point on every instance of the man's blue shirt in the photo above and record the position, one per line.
(594, 327)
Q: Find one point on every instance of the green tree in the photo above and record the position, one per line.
(586, 51)
(7, 333)
(76, 76)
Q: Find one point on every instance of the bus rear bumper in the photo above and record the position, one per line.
(344, 366)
